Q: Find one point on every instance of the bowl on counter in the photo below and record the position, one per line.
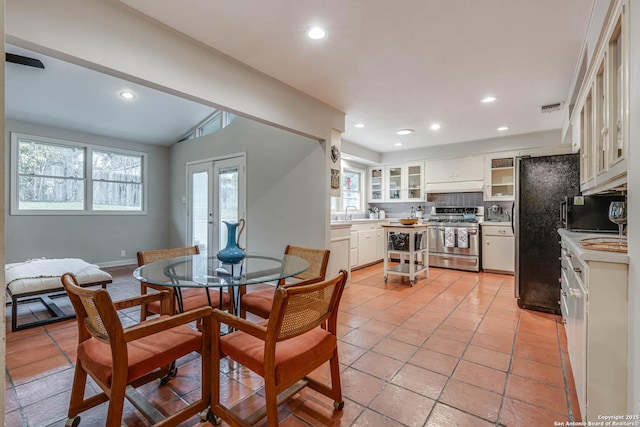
(408, 221)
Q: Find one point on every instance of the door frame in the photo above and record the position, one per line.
(242, 159)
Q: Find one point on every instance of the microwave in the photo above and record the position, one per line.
(588, 213)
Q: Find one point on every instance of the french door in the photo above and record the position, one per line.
(216, 193)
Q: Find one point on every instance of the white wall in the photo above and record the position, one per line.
(285, 202)
(95, 238)
(3, 298)
(633, 231)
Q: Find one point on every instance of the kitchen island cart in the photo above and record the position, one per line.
(408, 244)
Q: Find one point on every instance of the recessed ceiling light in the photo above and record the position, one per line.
(488, 99)
(405, 131)
(435, 126)
(358, 125)
(503, 128)
(316, 33)
(127, 94)
(398, 144)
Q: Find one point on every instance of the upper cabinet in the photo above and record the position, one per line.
(404, 182)
(463, 174)
(500, 177)
(376, 184)
(602, 108)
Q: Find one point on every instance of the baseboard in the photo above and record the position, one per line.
(118, 263)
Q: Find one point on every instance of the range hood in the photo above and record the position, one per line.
(455, 187)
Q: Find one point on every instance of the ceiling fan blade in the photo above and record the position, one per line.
(24, 60)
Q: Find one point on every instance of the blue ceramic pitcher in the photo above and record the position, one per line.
(232, 253)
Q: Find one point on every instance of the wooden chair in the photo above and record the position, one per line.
(285, 349)
(259, 302)
(191, 297)
(121, 359)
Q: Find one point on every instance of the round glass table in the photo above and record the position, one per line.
(206, 271)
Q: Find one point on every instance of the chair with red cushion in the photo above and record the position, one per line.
(259, 302)
(121, 359)
(191, 297)
(285, 349)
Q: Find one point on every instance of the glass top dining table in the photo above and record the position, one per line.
(206, 271)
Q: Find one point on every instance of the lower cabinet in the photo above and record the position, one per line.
(340, 257)
(354, 249)
(498, 253)
(594, 309)
(369, 243)
(366, 247)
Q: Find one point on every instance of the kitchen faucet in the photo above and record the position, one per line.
(346, 209)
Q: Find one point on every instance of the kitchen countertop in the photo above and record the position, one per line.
(573, 240)
(496, 223)
(357, 220)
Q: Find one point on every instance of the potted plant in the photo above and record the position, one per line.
(373, 212)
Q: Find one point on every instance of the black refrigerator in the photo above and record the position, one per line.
(542, 183)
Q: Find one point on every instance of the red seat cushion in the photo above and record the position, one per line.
(144, 355)
(196, 298)
(294, 357)
(258, 302)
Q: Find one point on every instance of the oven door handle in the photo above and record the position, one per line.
(472, 231)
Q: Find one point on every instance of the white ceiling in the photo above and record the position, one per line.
(404, 64)
(68, 96)
(390, 65)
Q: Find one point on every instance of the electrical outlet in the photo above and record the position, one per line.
(123, 253)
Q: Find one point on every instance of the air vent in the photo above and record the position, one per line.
(550, 108)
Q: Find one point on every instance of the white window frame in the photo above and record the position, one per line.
(340, 203)
(88, 177)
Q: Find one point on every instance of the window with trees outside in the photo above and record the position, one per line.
(52, 176)
(352, 187)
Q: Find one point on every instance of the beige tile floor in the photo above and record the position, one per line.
(453, 350)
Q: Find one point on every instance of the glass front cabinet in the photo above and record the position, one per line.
(376, 184)
(404, 182)
(601, 113)
(500, 177)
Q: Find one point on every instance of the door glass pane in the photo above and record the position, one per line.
(200, 209)
(228, 200)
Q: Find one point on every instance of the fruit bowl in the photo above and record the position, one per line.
(408, 221)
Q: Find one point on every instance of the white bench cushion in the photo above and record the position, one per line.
(41, 275)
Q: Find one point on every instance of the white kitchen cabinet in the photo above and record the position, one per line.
(454, 170)
(366, 243)
(594, 301)
(404, 182)
(376, 184)
(340, 257)
(601, 114)
(366, 247)
(498, 253)
(380, 242)
(500, 177)
(353, 258)
(461, 174)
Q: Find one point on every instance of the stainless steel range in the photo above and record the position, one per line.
(454, 237)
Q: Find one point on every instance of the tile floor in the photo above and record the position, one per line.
(453, 350)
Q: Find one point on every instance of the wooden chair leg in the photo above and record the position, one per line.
(271, 402)
(336, 386)
(77, 391)
(116, 403)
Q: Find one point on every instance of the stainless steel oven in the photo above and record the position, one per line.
(454, 237)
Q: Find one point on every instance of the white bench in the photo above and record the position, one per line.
(39, 280)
